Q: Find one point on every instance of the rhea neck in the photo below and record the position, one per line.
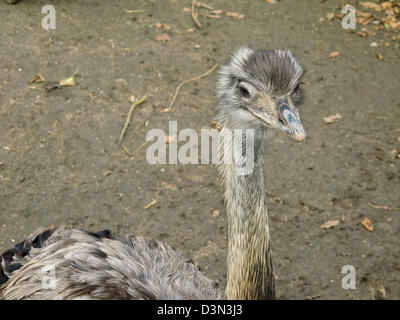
(250, 272)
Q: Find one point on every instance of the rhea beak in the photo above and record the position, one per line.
(281, 115)
(289, 121)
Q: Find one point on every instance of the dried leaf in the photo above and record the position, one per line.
(10, 149)
(379, 56)
(69, 81)
(364, 21)
(163, 26)
(394, 24)
(330, 16)
(386, 5)
(169, 139)
(215, 213)
(364, 14)
(334, 54)
(37, 79)
(235, 15)
(330, 224)
(371, 5)
(333, 118)
(162, 37)
(361, 34)
(366, 223)
(394, 154)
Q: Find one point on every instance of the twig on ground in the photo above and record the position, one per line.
(194, 15)
(134, 11)
(126, 150)
(203, 5)
(128, 118)
(382, 207)
(185, 82)
(140, 147)
(151, 204)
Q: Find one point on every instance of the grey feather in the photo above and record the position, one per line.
(90, 267)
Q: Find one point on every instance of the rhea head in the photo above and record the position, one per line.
(262, 89)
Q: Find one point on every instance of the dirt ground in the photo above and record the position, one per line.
(61, 164)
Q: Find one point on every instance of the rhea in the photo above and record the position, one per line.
(258, 90)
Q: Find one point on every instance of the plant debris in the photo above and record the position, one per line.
(163, 37)
(169, 139)
(37, 79)
(69, 81)
(375, 206)
(385, 15)
(330, 16)
(235, 15)
(371, 5)
(330, 224)
(185, 82)
(150, 204)
(128, 118)
(195, 15)
(163, 26)
(215, 213)
(333, 118)
(134, 11)
(334, 54)
(366, 223)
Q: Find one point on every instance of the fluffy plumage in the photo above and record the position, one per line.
(76, 264)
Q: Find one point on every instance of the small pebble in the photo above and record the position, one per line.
(373, 44)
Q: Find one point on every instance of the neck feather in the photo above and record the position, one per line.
(250, 270)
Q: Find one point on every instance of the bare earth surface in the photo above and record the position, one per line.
(60, 162)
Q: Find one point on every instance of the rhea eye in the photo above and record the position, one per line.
(244, 92)
(298, 86)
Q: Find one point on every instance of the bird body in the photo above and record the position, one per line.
(257, 90)
(76, 264)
